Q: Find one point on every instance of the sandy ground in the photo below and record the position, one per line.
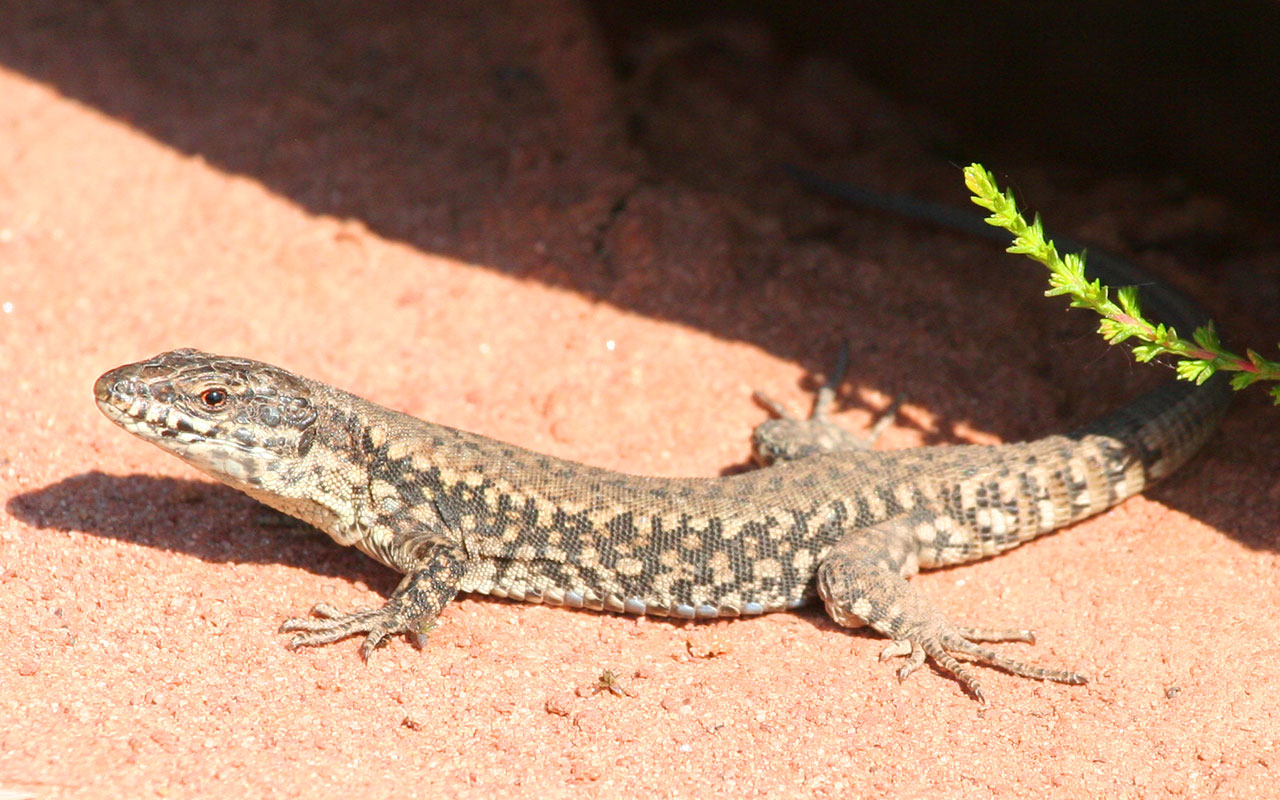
(469, 215)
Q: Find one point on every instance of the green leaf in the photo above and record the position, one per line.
(1243, 380)
(1164, 335)
(1146, 352)
(1207, 337)
(1195, 369)
(1127, 297)
(1122, 319)
(1059, 284)
(1073, 264)
(1115, 332)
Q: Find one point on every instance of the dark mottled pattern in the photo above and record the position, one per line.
(455, 511)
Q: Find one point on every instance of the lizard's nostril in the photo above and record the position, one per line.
(102, 387)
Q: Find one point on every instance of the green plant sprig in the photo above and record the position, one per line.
(1122, 319)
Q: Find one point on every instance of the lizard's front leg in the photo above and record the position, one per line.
(433, 569)
(862, 581)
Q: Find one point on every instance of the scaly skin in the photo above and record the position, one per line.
(829, 518)
(455, 511)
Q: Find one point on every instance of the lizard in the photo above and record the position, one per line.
(826, 518)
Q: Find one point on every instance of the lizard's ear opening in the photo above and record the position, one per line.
(307, 439)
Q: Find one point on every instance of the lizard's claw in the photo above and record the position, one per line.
(956, 640)
(861, 583)
(329, 624)
(412, 609)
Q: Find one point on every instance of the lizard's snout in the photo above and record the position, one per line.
(116, 388)
(104, 386)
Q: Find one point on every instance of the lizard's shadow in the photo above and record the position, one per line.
(207, 520)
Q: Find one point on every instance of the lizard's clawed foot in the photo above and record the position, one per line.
(412, 609)
(788, 437)
(329, 624)
(862, 582)
(943, 644)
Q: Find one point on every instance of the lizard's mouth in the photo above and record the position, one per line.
(129, 403)
(154, 412)
(195, 441)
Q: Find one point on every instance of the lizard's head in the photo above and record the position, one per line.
(241, 421)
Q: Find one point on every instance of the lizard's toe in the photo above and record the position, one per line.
(913, 652)
(329, 624)
(944, 645)
(861, 583)
(412, 609)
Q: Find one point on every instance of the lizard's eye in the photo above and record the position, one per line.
(213, 398)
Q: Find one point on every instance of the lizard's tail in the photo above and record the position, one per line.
(1146, 439)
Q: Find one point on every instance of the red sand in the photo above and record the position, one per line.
(444, 212)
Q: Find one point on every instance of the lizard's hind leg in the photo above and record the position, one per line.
(787, 437)
(862, 581)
